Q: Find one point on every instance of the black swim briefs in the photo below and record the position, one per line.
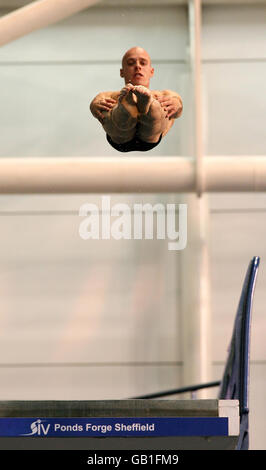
(136, 144)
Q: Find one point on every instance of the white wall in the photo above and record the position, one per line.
(101, 319)
(80, 311)
(234, 68)
(54, 73)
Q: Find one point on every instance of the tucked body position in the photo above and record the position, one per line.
(136, 118)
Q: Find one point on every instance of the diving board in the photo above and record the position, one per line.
(119, 424)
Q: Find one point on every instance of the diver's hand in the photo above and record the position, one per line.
(172, 105)
(98, 107)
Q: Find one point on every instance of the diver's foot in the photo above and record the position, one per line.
(144, 98)
(128, 100)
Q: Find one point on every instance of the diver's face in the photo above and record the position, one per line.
(136, 67)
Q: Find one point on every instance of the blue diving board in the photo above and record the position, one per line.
(119, 424)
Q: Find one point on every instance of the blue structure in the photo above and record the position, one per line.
(235, 381)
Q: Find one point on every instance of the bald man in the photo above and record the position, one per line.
(136, 118)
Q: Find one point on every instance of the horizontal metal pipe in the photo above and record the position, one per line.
(95, 175)
(143, 174)
(235, 174)
(37, 15)
(177, 391)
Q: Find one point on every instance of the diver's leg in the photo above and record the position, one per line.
(120, 122)
(152, 119)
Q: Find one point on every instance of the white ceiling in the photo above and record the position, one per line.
(10, 4)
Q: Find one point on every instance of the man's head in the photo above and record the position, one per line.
(136, 67)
